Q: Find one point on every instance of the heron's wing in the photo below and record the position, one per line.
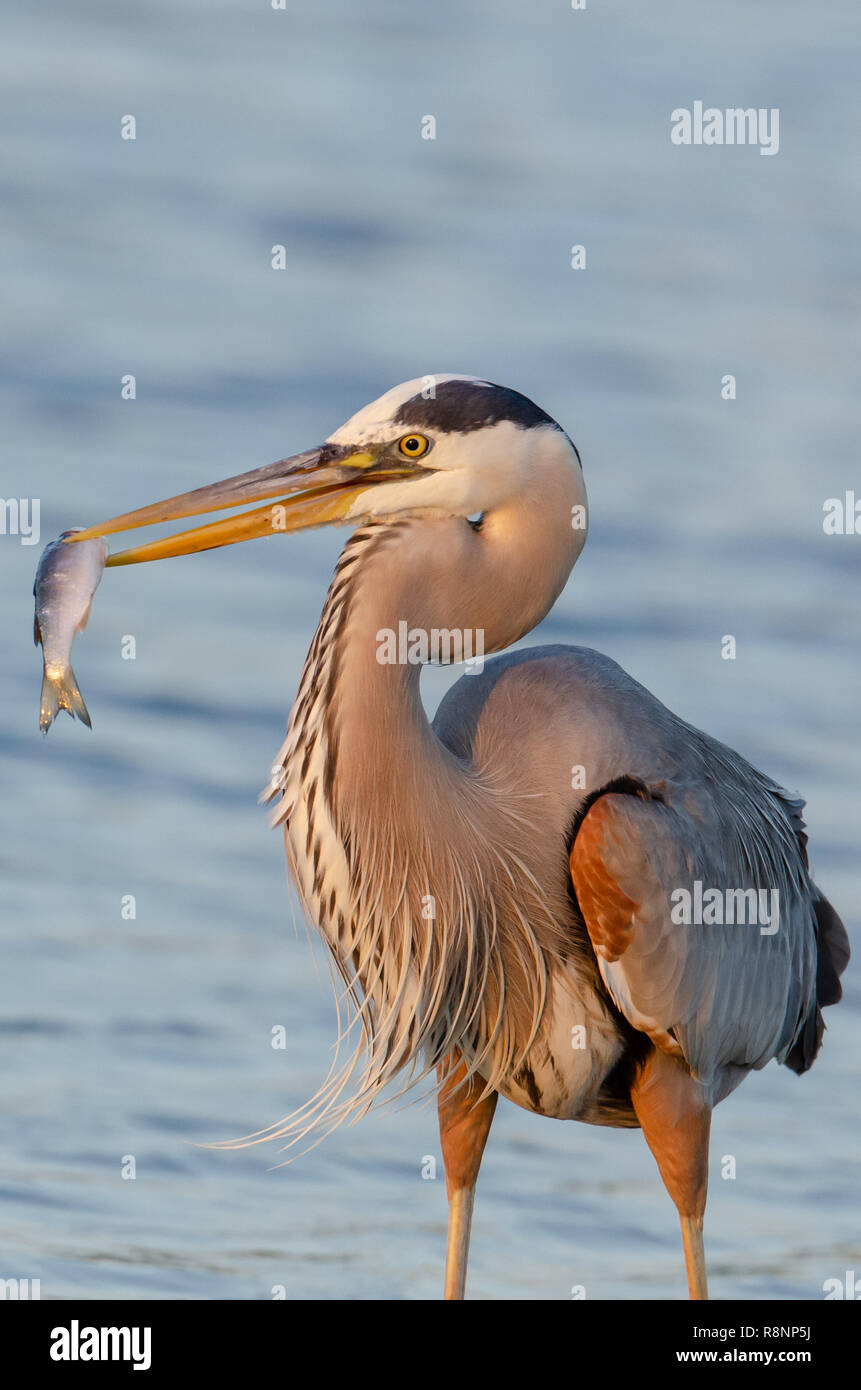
(723, 995)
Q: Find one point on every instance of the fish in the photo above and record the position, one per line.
(66, 579)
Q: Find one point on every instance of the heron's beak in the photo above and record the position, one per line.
(315, 488)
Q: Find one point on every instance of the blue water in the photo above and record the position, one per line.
(152, 1036)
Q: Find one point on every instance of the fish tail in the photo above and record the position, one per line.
(60, 691)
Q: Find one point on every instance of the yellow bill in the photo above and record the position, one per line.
(316, 488)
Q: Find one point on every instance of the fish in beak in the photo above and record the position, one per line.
(316, 488)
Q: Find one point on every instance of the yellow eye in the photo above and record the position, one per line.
(414, 445)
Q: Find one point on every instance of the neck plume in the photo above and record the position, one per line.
(404, 854)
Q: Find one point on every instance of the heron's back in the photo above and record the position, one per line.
(560, 727)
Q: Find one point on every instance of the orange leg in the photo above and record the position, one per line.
(669, 1105)
(464, 1125)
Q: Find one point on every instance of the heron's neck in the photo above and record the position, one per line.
(383, 759)
(397, 846)
(401, 588)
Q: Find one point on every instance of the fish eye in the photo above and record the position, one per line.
(414, 445)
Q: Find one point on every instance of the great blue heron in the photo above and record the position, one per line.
(520, 929)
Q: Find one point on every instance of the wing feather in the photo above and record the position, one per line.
(726, 995)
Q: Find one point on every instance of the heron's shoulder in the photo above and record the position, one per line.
(542, 681)
(550, 667)
(536, 697)
(580, 699)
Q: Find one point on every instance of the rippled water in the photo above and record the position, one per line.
(256, 127)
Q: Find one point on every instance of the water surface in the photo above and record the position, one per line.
(149, 1037)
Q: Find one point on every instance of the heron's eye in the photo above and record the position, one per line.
(414, 445)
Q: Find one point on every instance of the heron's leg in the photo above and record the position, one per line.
(464, 1124)
(675, 1118)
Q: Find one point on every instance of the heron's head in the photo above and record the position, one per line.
(453, 446)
